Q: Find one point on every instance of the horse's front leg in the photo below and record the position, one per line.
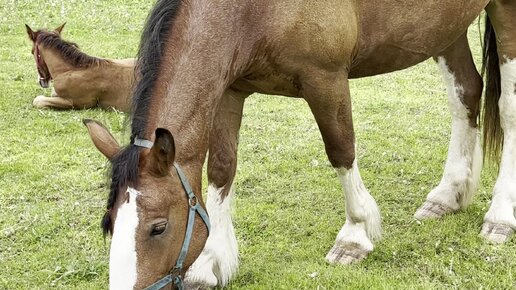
(464, 162)
(219, 260)
(328, 97)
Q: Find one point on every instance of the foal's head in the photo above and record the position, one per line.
(41, 65)
(147, 211)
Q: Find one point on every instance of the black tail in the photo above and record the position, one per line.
(493, 134)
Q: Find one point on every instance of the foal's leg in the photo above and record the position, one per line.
(464, 162)
(500, 220)
(53, 102)
(219, 260)
(56, 102)
(329, 99)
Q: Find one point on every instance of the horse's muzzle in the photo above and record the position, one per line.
(43, 83)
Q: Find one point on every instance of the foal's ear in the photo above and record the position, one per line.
(103, 140)
(163, 152)
(32, 35)
(60, 28)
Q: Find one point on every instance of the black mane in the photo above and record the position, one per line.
(68, 50)
(124, 170)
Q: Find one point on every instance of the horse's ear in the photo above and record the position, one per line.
(162, 153)
(103, 140)
(60, 28)
(32, 35)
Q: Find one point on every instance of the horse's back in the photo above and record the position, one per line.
(359, 38)
(293, 39)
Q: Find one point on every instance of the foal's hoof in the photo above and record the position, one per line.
(346, 254)
(39, 101)
(431, 210)
(496, 233)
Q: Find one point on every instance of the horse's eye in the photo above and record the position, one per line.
(158, 229)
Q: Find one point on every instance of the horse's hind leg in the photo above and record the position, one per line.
(328, 97)
(464, 162)
(219, 260)
(500, 220)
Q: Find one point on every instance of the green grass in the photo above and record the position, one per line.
(289, 204)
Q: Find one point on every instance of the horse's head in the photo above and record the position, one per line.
(41, 65)
(148, 211)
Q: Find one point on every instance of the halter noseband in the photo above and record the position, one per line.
(174, 276)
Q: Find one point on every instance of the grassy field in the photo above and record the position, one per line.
(289, 204)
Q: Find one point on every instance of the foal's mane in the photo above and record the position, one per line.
(124, 167)
(68, 50)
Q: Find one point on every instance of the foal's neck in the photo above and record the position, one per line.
(55, 63)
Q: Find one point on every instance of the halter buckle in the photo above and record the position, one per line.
(192, 201)
(176, 271)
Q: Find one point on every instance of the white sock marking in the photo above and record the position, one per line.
(464, 162)
(122, 256)
(219, 260)
(361, 208)
(503, 205)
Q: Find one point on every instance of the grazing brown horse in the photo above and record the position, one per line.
(80, 81)
(200, 59)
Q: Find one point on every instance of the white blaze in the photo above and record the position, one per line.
(122, 256)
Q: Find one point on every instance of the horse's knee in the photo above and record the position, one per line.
(341, 155)
(221, 169)
(472, 95)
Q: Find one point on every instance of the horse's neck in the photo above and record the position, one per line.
(192, 80)
(108, 70)
(55, 63)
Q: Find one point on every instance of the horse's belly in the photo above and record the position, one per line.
(398, 34)
(387, 59)
(272, 84)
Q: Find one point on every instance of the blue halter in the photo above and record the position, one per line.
(174, 276)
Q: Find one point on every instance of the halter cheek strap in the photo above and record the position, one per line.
(41, 65)
(174, 276)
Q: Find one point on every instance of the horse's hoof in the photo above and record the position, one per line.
(431, 210)
(496, 233)
(346, 254)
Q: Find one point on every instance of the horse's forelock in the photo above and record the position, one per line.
(124, 172)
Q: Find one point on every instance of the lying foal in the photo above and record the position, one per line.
(80, 81)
